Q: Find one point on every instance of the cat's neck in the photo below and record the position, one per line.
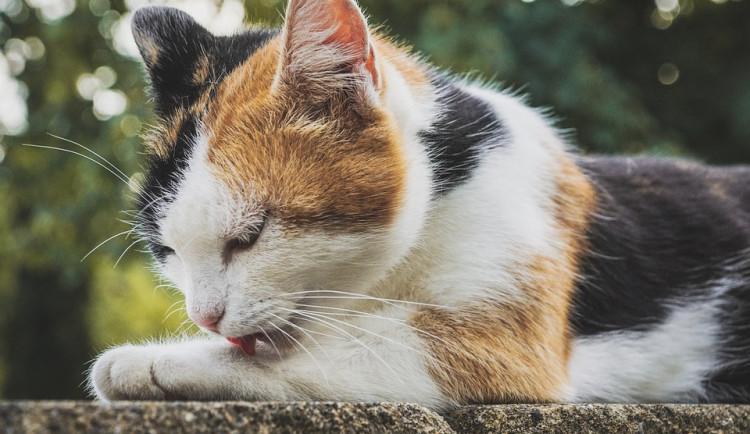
(471, 152)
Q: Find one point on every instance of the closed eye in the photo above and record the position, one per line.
(243, 243)
(161, 252)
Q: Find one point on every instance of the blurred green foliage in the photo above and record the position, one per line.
(621, 77)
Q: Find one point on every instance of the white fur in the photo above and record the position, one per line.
(666, 364)
(481, 259)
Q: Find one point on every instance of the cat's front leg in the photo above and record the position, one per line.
(435, 356)
(354, 362)
(190, 370)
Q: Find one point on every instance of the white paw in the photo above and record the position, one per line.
(190, 370)
(126, 372)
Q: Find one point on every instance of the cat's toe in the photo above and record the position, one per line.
(126, 373)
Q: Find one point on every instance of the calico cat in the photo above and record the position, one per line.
(360, 226)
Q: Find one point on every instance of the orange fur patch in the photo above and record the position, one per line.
(202, 70)
(415, 73)
(516, 351)
(495, 353)
(161, 139)
(149, 49)
(573, 205)
(501, 352)
(304, 160)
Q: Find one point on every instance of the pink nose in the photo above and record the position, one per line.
(210, 321)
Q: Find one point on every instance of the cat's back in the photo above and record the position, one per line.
(665, 276)
(690, 186)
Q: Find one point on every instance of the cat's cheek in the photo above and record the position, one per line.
(173, 270)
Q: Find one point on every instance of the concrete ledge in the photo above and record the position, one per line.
(602, 418)
(215, 417)
(219, 417)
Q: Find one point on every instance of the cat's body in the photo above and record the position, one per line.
(368, 229)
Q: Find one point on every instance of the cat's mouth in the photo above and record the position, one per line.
(278, 340)
(246, 343)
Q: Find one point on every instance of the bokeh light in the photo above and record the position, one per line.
(668, 73)
(52, 10)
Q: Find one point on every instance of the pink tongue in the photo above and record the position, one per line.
(247, 343)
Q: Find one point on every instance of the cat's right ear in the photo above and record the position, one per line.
(327, 48)
(173, 46)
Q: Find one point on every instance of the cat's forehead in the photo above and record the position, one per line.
(304, 163)
(308, 162)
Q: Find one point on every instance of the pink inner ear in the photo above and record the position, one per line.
(351, 29)
(370, 66)
(352, 32)
(348, 24)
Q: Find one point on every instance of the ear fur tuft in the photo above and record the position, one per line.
(327, 47)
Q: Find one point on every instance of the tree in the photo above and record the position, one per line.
(54, 207)
(597, 65)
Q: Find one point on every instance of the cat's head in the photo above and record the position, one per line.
(277, 166)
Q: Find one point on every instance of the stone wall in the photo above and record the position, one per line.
(221, 417)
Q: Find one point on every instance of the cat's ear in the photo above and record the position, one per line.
(327, 46)
(174, 48)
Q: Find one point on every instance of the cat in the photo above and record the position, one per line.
(362, 227)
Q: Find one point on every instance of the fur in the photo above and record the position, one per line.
(372, 229)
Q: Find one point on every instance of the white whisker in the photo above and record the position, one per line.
(172, 310)
(422, 353)
(350, 336)
(351, 312)
(360, 314)
(183, 326)
(354, 295)
(303, 330)
(124, 180)
(115, 168)
(126, 251)
(401, 344)
(322, 371)
(273, 344)
(105, 242)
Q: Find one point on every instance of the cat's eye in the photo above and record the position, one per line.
(245, 242)
(161, 251)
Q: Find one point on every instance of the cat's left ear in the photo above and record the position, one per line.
(327, 46)
(174, 49)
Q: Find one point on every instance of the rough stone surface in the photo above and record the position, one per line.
(602, 418)
(326, 417)
(216, 417)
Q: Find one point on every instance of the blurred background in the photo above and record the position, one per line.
(665, 77)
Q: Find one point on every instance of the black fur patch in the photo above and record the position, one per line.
(731, 382)
(160, 184)
(466, 126)
(670, 233)
(174, 47)
(662, 233)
